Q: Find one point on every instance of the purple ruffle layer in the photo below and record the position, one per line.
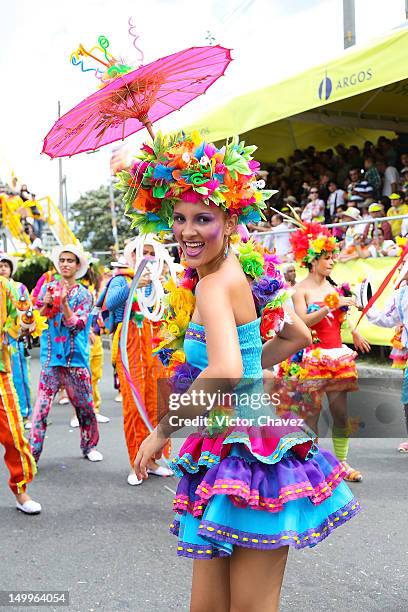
(258, 485)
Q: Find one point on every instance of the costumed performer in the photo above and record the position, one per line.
(20, 365)
(46, 278)
(395, 313)
(327, 365)
(17, 456)
(145, 370)
(92, 282)
(246, 493)
(64, 351)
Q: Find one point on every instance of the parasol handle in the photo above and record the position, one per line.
(148, 125)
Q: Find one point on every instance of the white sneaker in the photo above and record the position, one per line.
(29, 507)
(133, 480)
(118, 398)
(160, 471)
(27, 425)
(94, 455)
(74, 422)
(101, 418)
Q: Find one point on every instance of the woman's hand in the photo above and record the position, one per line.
(360, 343)
(144, 280)
(346, 301)
(150, 448)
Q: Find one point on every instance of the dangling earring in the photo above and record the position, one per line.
(227, 248)
(180, 252)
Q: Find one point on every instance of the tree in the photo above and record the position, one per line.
(92, 220)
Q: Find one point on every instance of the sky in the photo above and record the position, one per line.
(271, 40)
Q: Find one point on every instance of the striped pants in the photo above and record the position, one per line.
(17, 456)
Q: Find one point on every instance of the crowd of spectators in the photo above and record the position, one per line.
(340, 185)
(23, 202)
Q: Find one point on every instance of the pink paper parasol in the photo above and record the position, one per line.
(136, 100)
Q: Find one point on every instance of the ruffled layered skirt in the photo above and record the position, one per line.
(235, 492)
(332, 369)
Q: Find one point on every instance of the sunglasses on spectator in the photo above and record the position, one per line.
(314, 191)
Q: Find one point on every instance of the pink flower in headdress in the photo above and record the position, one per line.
(138, 168)
(254, 165)
(270, 260)
(145, 147)
(191, 196)
(247, 202)
(209, 150)
(211, 185)
(220, 168)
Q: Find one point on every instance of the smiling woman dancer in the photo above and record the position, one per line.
(245, 493)
(327, 365)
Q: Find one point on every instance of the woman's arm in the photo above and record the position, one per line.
(300, 306)
(294, 336)
(117, 294)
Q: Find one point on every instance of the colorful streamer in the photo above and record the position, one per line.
(123, 345)
(135, 37)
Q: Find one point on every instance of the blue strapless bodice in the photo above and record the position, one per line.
(249, 341)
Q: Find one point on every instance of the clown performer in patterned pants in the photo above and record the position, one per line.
(17, 456)
(65, 351)
(144, 369)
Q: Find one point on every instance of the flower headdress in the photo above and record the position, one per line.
(184, 166)
(310, 241)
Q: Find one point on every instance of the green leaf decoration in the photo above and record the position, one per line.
(216, 197)
(158, 143)
(240, 165)
(202, 190)
(159, 191)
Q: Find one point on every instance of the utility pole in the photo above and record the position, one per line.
(113, 215)
(406, 9)
(349, 22)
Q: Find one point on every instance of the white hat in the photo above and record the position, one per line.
(352, 212)
(11, 260)
(75, 250)
(120, 263)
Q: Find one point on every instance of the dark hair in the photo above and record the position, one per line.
(7, 262)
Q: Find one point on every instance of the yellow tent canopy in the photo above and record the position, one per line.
(357, 97)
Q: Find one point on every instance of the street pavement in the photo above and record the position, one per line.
(107, 543)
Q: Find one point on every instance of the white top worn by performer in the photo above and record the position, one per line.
(396, 313)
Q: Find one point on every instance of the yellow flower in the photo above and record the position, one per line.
(196, 137)
(182, 319)
(173, 329)
(181, 299)
(177, 358)
(317, 245)
(40, 324)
